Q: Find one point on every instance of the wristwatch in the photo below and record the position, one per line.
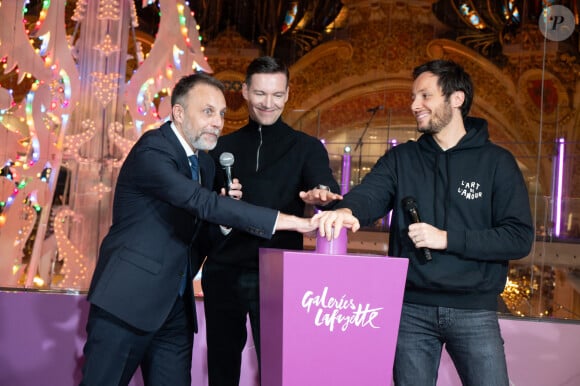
(323, 187)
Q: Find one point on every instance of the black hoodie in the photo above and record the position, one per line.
(475, 191)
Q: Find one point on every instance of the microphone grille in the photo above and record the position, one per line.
(226, 159)
(409, 203)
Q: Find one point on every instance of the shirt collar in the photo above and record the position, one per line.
(182, 140)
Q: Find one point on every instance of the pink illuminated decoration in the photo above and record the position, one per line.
(180, 54)
(81, 116)
(114, 131)
(73, 142)
(559, 178)
(15, 45)
(74, 262)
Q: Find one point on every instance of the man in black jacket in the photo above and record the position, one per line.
(142, 308)
(474, 218)
(280, 168)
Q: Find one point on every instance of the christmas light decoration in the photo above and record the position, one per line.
(106, 85)
(55, 129)
(107, 47)
(79, 11)
(109, 10)
(73, 142)
(122, 143)
(74, 269)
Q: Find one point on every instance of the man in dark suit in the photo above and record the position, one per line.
(142, 305)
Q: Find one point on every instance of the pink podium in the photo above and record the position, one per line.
(329, 319)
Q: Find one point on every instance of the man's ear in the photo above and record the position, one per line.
(245, 90)
(457, 99)
(177, 112)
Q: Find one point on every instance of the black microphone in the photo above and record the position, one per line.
(227, 160)
(410, 206)
(375, 109)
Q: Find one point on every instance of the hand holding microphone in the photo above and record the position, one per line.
(410, 206)
(227, 160)
(234, 188)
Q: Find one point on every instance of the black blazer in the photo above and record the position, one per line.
(157, 213)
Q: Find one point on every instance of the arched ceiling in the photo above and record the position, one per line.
(282, 28)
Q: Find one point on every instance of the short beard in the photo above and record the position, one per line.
(199, 143)
(440, 119)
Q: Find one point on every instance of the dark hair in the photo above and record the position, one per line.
(452, 77)
(188, 82)
(266, 65)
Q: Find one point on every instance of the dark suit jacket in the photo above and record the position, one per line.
(157, 211)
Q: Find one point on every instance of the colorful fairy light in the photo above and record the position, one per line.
(44, 108)
(144, 101)
(35, 144)
(44, 45)
(6, 172)
(66, 87)
(177, 53)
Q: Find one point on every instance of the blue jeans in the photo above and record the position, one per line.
(471, 337)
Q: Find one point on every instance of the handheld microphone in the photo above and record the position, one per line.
(227, 160)
(410, 206)
(375, 109)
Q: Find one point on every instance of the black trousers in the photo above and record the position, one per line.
(114, 349)
(231, 294)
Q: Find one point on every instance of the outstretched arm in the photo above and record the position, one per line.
(320, 197)
(287, 222)
(331, 222)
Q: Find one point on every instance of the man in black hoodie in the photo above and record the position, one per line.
(475, 217)
(279, 167)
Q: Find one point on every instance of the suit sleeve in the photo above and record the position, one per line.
(156, 171)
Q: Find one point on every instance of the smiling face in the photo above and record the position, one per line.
(266, 96)
(432, 110)
(199, 116)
